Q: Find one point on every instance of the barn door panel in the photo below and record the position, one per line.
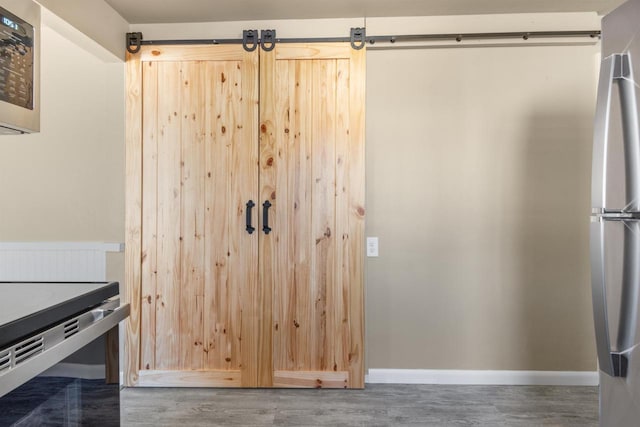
(199, 156)
(312, 174)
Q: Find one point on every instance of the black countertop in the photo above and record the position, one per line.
(26, 308)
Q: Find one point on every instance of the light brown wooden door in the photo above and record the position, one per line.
(210, 306)
(197, 280)
(312, 173)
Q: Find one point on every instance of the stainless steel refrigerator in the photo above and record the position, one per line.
(615, 220)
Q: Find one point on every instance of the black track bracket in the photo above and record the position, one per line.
(358, 38)
(134, 41)
(268, 40)
(250, 40)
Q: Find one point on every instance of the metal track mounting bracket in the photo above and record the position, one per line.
(250, 40)
(134, 41)
(268, 40)
(358, 37)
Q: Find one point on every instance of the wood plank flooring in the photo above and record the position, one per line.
(377, 405)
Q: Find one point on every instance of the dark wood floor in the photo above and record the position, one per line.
(377, 405)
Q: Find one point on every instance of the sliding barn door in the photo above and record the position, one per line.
(312, 175)
(198, 275)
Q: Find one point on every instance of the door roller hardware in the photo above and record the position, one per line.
(358, 38)
(134, 42)
(268, 40)
(250, 40)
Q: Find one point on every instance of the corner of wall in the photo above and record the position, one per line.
(91, 24)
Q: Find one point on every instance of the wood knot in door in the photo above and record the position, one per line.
(325, 236)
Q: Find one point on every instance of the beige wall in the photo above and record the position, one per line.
(66, 183)
(478, 187)
(95, 19)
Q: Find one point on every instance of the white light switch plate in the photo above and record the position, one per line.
(372, 246)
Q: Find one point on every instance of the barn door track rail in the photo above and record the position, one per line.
(267, 39)
(250, 40)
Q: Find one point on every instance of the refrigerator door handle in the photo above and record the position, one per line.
(601, 129)
(616, 68)
(614, 363)
(630, 287)
(599, 294)
(623, 74)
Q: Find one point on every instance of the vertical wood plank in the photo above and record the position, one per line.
(302, 221)
(133, 220)
(341, 296)
(332, 263)
(217, 222)
(279, 216)
(238, 198)
(248, 134)
(243, 125)
(212, 247)
(149, 212)
(285, 325)
(192, 215)
(226, 327)
(267, 247)
(356, 173)
(169, 232)
(323, 213)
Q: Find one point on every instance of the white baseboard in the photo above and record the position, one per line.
(76, 370)
(403, 376)
(465, 377)
(62, 246)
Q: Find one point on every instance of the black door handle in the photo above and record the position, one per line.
(250, 228)
(265, 217)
